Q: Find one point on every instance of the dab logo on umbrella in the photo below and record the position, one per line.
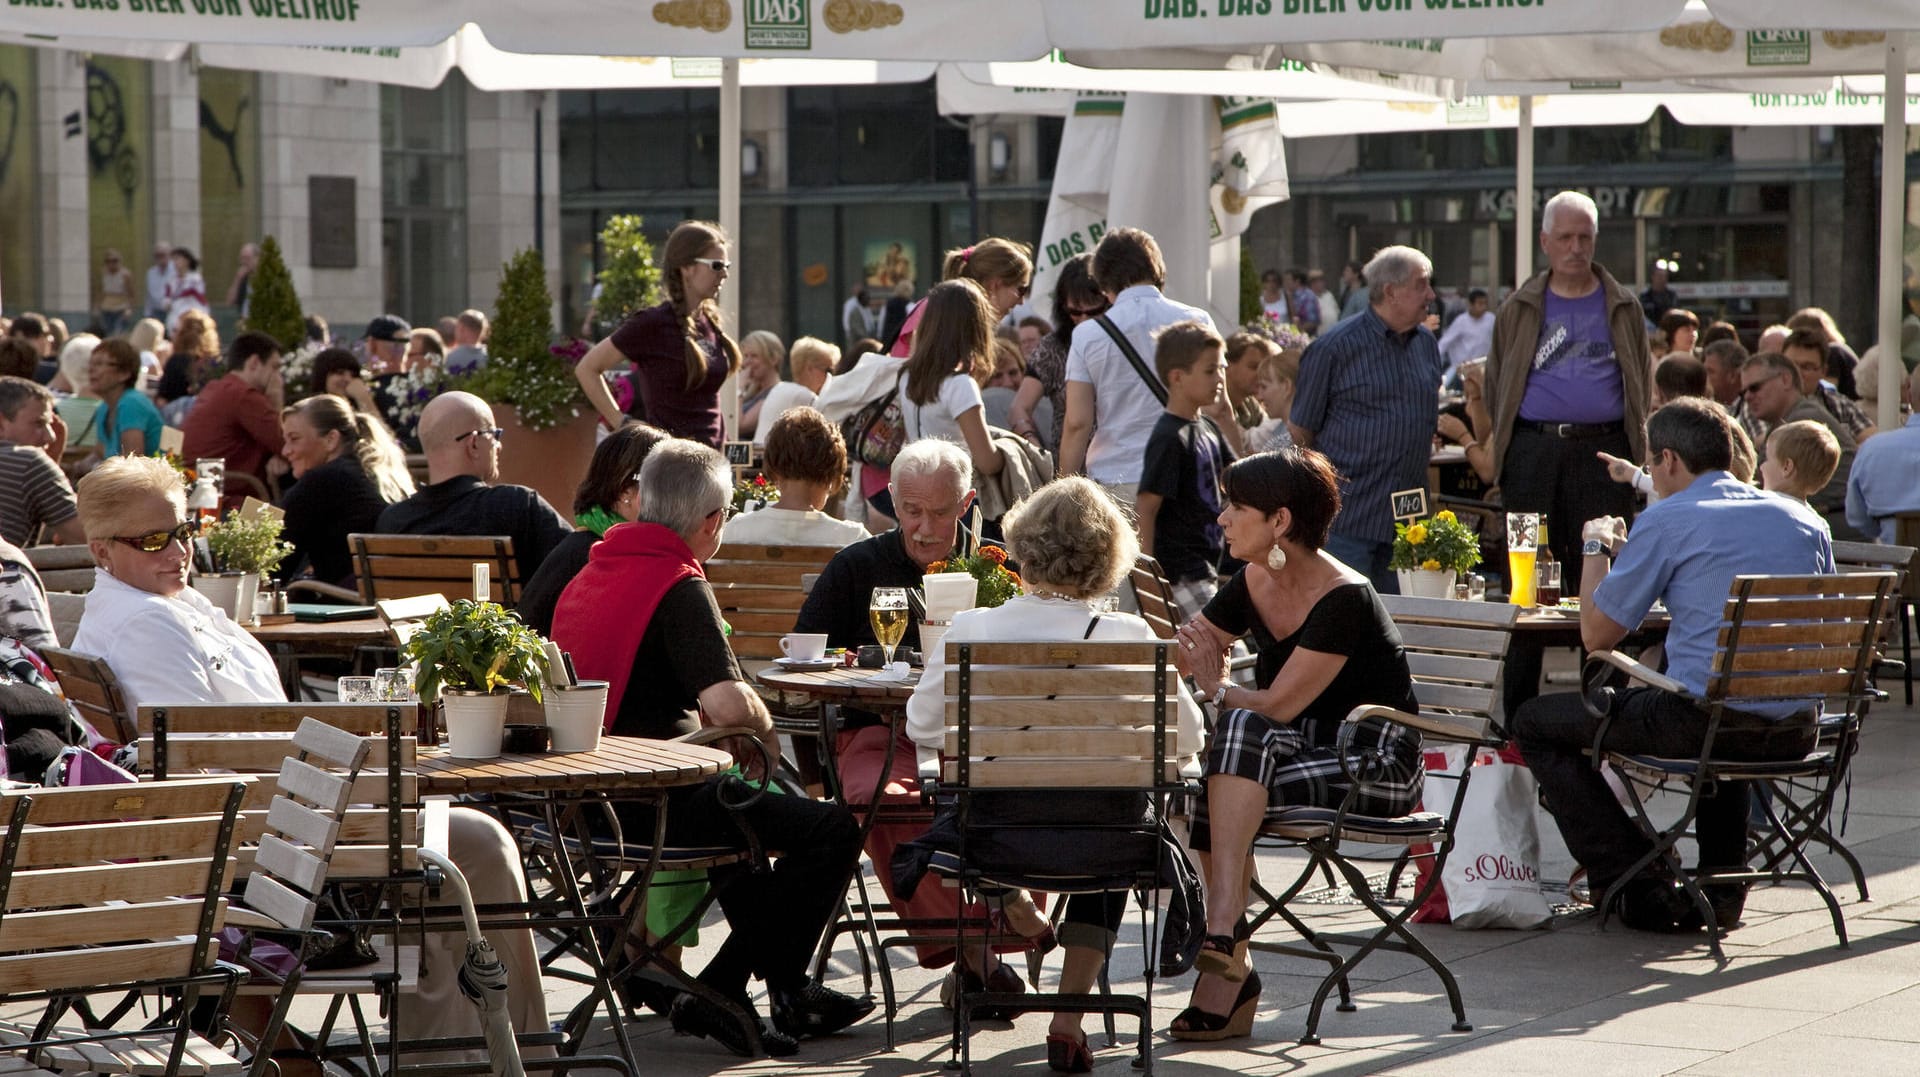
(779, 24)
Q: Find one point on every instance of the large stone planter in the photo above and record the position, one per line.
(550, 461)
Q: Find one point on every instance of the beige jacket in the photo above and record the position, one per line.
(1516, 333)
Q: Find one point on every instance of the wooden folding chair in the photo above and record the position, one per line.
(760, 594)
(1807, 640)
(1065, 719)
(1153, 592)
(115, 889)
(63, 568)
(1902, 561)
(89, 684)
(1455, 651)
(402, 566)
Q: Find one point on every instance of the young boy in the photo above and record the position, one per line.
(1801, 458)
(1179, 500)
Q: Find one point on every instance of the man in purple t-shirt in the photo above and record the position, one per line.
(1569, 376)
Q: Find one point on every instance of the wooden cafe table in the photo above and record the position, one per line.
(622, 768)
(290, 641)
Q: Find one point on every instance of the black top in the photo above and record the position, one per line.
(542, 592)
(837, 605)
(1185, 461)
(326, 505)
(463, 505)
(1348, 620)
(683, 653)
(654, 340)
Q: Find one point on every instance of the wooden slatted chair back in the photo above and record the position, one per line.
(112, 885)
(378, 832)
(89, 684)
(1799, 637)
(1454, 651)
(1153, 592)
(1902, 561)
(1068, 714)
(303, 823)
(760, 593)
(63, 568)
(402, 566)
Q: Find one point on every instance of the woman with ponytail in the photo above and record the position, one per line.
(348, 468)
(680, 355)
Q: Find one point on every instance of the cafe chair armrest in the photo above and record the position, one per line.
(1463, 729)
(1633, 668)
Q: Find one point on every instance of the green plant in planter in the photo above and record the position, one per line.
(522, 367)
(475, 647)
(272, 307)
(629, 279)
(241, 543)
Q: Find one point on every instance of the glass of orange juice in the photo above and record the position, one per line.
(1523, 537)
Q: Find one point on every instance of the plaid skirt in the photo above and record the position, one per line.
(1299, 763)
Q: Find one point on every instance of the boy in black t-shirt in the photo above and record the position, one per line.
(1179, 501)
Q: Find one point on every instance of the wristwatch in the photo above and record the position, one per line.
(1594, 546)
(1220, 695)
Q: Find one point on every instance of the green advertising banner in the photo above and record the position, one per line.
(229, 173)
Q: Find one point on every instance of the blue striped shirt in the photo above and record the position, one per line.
(1370, 396)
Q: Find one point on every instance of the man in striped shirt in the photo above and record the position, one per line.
(1368, 397)
(34, 492)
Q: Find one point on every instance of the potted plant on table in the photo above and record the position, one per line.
(246, 549)
(471, 656)
(1429, 554)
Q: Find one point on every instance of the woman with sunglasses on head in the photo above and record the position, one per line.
(680, 354)
(163, 640)
(1075, 299)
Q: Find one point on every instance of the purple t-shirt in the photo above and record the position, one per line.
(1576, 376)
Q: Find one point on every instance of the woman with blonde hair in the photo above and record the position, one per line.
(74, 399)
(196, 348)
(347, 468)
(812, 362)
(680, 353)
(761, 356)
(939, 398)
(149, 337)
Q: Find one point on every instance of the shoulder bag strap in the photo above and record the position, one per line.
(1091, 625)
(1140, 366)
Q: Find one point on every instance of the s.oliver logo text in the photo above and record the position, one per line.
(1488, 867)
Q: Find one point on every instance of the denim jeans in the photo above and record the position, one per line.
(1367, 558)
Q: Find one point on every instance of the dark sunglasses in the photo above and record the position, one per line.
(495, 431)
(155, 541)
(1087, 312)
(1025, 290)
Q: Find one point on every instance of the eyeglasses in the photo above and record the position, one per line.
(155, 541)
(1757, 386)
(493, 431)
(718, 265)
(1086, 312)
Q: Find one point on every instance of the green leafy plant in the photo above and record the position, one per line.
(629, 280)
(522, 367)
(242, 543)
(1440, 543)
(477, 647)
(272, 306)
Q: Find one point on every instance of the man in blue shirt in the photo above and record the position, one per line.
(1685, 550)
(1367, 397)
(1886, 474)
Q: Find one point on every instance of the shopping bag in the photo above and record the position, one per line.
(1492, 877)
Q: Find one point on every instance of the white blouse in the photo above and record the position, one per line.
(174, 650)
(771, 526)
(1023, 618)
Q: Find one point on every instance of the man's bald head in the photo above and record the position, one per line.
(456, 433)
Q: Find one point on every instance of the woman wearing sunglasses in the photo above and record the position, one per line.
(164, 641)
(1075, 299)
(680, 355)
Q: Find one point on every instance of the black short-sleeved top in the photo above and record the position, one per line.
(464, 505)
(654, 340)
(329, 503)
(683, 653)
(1348, 620)
(1186, 459)
(542, 593)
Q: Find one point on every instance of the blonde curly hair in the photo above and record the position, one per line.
(1070, 535)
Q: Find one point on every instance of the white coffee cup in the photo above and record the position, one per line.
(804, 646)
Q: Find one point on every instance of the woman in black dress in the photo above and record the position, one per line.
(1325, 646)
(348, 469)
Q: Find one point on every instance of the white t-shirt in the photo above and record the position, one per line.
(791, 527)
(786, 394)
(1124, 409)
(940, 417)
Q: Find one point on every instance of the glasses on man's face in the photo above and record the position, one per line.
(494, 432)
(155, 541)
(1754, 388)
(718, 265)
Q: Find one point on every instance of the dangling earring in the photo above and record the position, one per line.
(1276, 558)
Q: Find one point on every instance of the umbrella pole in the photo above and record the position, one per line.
(1893, 221)
(1523, 241)
(730, 224)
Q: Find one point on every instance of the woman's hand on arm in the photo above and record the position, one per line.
(590, 373)
(1199, 644)
(1020, 412)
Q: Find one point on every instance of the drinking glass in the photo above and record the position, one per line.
(888, 613)
(1476, 587)
(392, 685)
(1523, 533)
(214, 470)
(1547, 583)
(358, 690)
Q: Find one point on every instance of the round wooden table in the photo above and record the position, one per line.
(862, 688)
(620, 764)
(330, 636)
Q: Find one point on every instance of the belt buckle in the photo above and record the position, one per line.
(1562, 431)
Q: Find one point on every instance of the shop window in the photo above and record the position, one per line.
(423, 198)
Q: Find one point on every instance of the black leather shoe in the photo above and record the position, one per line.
(1655, 905)
(653, 990)
(1727, 900)
(815, 1009)
(695, 1016)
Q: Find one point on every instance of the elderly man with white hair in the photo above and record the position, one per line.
(1366, 398)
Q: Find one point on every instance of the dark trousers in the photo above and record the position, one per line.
(1369, 559)
(774, 918)
(1553, 731)
(1562, 478)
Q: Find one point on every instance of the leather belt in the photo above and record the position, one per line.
(1570, 430)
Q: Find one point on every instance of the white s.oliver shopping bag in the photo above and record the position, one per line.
(1492, 877)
